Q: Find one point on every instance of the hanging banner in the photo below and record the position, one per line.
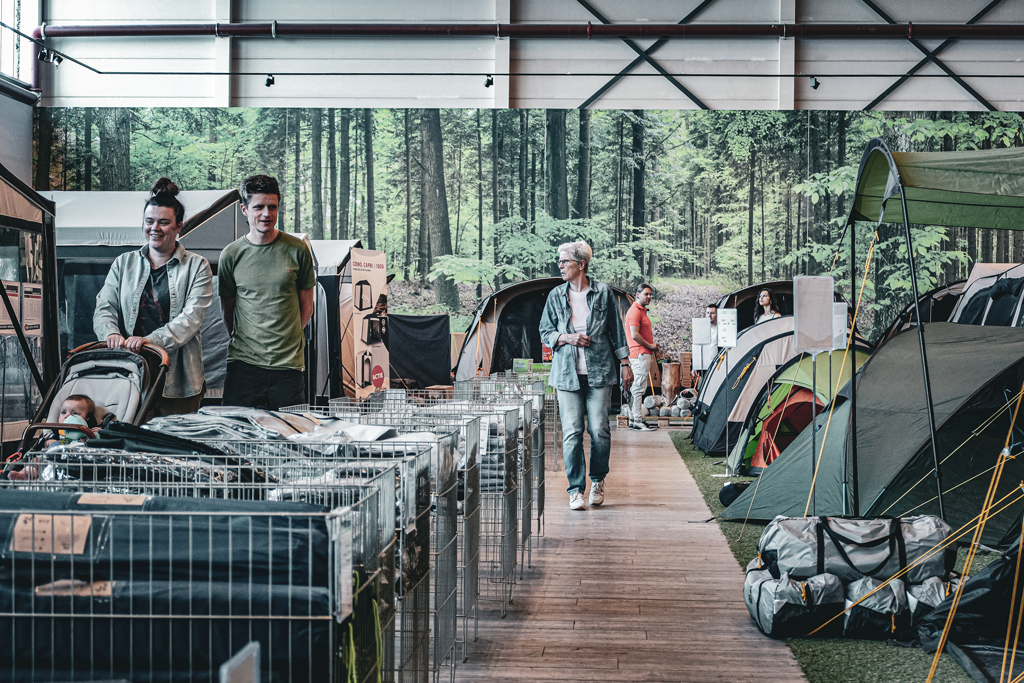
(370, 321)
(32, 309)
(14, 294)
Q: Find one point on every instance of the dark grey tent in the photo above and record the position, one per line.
(978, 372)
(936, 306)
(745, 300)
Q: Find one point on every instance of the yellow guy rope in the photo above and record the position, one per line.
(956, 536)
(1009, 621)
(977, 432)
(853, 375)
(983, 518)
(954, 488)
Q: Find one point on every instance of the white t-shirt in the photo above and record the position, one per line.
(580, 313)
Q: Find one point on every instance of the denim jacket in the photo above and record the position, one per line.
(604, 327)
(190, 283)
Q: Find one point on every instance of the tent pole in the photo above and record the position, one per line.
(852, 455)
(924, 354)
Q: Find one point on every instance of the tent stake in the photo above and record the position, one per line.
(924, 354)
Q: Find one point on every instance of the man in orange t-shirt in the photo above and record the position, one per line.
(642, 350)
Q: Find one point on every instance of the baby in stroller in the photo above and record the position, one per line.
(75, 409)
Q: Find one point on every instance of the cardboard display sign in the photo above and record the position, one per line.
(704, 347)
(370, 321)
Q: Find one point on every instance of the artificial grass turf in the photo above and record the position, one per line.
(822, 660)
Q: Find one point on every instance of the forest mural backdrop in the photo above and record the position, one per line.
(479, 197)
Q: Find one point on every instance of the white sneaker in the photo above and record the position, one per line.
(596, 493)
(576, 501)
(641, 426)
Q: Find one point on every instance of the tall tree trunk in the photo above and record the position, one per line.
(639, 175)
(371, 211)
(789, 230)
(211, 174)
(297, 187)
(408, 199)
(760, 167)
(524, 132)
(424, 245)
(332, 169)
(44, 147)
(652, 260)
(533, 188)
(618, 186)
(558, 190)
(494, 194)
(316, 228)
(841, 158)
(581, 206)
(435, 218)
(345, 188)
(479, 201)
(87, 160)
(115, 149)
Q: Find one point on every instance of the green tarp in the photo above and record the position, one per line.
(975, 371)
(980, 189)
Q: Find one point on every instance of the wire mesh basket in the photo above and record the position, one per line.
(117, 571)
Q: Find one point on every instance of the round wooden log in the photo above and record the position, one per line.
(670, 380)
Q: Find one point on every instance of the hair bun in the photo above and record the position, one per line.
(164, 186)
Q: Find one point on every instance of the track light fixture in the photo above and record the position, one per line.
(270, 80)
(489, 81)
(47, 55)
(814, 83)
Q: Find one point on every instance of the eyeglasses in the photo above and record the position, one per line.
(564, 262)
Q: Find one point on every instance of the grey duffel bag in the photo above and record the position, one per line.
(785, 608)
(854, 548)
(882, 612)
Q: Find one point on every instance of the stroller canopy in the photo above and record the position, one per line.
(982, 371)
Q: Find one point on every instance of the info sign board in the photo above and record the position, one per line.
(370, 321)
(32, 309)
(727, 328)
(14, 294)
(705, 343)
(813, 297)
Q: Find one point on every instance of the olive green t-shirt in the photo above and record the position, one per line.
(265, 281)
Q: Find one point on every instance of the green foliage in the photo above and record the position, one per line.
(468, 271)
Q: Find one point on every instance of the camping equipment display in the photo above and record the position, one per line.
(893, 470)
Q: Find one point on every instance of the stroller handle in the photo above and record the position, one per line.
(165, 360)
(53, 426)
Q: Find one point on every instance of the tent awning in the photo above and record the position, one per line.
(979, 189)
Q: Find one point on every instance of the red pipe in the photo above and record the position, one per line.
(524, 31)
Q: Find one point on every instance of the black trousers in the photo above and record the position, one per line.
(254, 387)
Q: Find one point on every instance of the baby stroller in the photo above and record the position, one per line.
(125, 386)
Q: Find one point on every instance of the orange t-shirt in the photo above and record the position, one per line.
(637, 317)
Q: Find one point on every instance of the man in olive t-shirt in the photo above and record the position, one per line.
(267, 285)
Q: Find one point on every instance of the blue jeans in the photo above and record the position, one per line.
(594, 403)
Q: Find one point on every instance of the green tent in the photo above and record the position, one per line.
(978, 372)
(980, 189)
(786, 410)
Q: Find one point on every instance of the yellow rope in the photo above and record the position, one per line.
(952, 488)
(980, 429)
(846, 353)
(985, 513)
(1009, 621)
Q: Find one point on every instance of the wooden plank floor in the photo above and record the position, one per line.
(640, 589)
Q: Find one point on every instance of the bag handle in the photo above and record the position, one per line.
(894, 539)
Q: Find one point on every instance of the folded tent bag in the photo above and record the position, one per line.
(786, 608)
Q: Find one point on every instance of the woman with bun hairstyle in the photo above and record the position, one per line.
(160, 294)
(765, 308)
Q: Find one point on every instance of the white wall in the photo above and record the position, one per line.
(16, 138)
(725, 73)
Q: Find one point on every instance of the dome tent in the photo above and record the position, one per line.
(736, 378)
(507, 326)
(983, 369)
(784, 408)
